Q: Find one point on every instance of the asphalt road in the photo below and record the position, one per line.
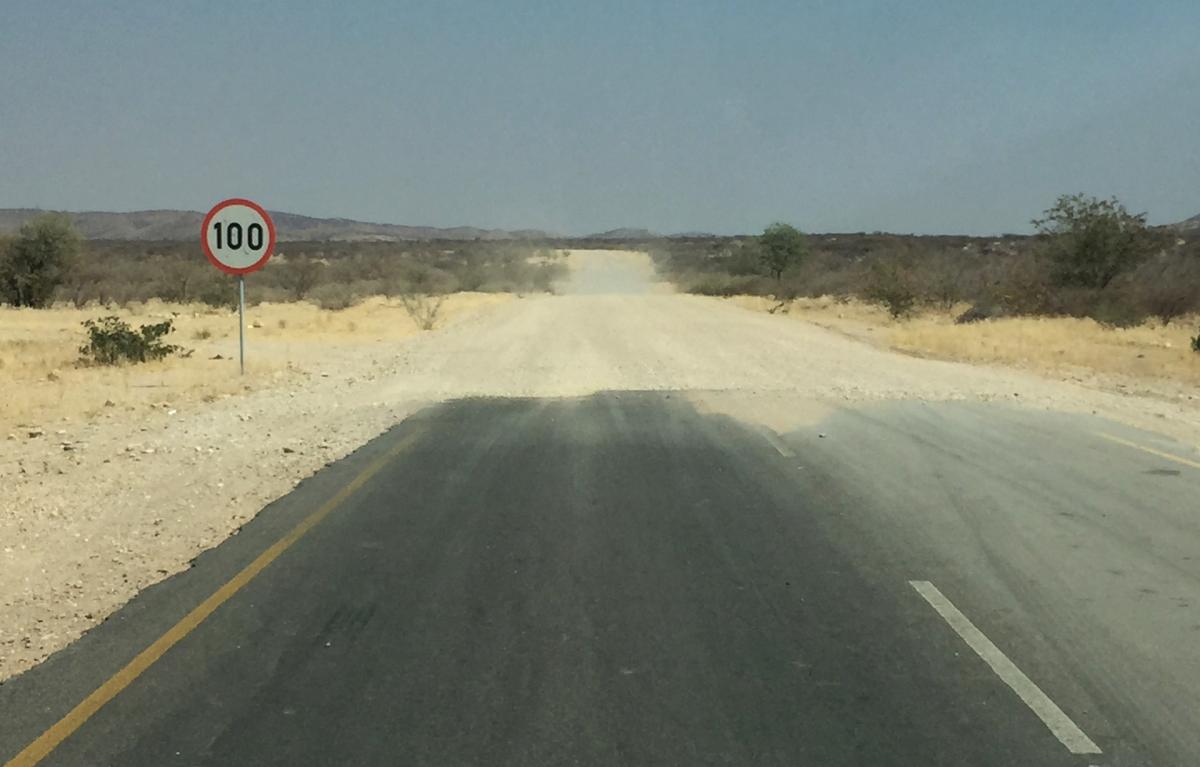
(622, 580)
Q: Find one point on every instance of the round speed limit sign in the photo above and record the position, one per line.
(238, 236)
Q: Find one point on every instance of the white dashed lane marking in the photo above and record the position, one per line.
(1047, 710)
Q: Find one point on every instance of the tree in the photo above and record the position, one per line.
(1091, 241)
(38, 260)
(781, 246)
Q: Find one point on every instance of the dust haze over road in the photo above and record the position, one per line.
(601, 272)
(623, 526)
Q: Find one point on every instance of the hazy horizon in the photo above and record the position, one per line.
(927, 118)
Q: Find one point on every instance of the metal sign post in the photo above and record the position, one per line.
(238, 237)
(242, 324)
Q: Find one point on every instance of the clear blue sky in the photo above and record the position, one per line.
(921, 116)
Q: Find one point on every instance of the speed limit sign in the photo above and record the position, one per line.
(238, 236)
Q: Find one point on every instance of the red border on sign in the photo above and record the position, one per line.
(260, 263)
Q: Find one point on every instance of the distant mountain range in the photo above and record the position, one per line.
(185, 225)
(624, 233)
(1189, 224)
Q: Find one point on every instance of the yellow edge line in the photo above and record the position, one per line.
(1150, 450)
(36, 751)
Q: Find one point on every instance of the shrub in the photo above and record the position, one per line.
(979, 313)
(1170, 300)
(1168, 287)
(785, 293)
(119, 272)
(1114, 312)
(938, 279)
(334, 296)
(34, 264)
(826, 274)
(299, 276)
(1019, 284)
(216, 290)
(1196, 344)
(745, 261)
(723, 285)
(422, 308)
(890, 285)
(472, 278)
(112, 341)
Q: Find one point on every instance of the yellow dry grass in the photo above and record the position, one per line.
(43, 385)
(1059, 344)
(1055, 345)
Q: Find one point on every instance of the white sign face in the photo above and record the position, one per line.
(238, 236)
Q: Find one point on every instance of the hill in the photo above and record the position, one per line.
(185, 225)
(623, 233)
(1189, 224)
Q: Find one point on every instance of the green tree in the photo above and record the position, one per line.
(1091, 241)
(781, 246)
(38, 260)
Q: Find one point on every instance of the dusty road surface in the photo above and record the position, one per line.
(619, 526)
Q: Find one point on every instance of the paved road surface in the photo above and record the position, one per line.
(631, 578)
(619, 579)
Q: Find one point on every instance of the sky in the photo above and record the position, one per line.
(925, 116)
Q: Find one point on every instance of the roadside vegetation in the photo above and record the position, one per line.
(35, 263)
(87, 327)
(112, 341)
(1094, 287)
(48, 379)
(46, 263)
(332, 275)
(1089, 258)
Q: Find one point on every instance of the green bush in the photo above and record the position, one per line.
(111, 341)
(1196, 344)
(781, 246)
(34, 264)
(1092, 241)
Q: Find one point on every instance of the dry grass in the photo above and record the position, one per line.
(1058, 344)
(1053, 345)
(44, 386)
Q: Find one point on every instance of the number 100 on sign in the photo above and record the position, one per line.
(238, 236)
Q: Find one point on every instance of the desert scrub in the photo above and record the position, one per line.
(423, 309)
(111, 341)
(890, 285)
